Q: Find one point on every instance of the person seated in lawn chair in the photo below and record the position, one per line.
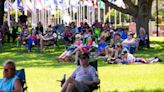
(83, 78)
(32, 40)
(67, 53)
(131, 43)
(22, 38)
(50, 38)
(10, 81)
(128, 58)
(68, 36)
(142, 37)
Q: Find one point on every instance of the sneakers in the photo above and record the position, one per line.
(155, 59)
(159, 59)
(33, 43)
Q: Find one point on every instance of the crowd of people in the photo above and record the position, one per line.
(81, 43)
(116, 45)
(97, 39)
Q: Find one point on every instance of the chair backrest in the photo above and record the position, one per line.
(21, 74)
(92, 63)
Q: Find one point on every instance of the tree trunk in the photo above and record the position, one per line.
(142, 22)
(1, 11)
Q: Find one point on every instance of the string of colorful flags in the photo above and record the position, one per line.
(63, 11)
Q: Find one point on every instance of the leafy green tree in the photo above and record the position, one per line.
(140, 10)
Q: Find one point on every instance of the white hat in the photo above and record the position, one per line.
(78, 36)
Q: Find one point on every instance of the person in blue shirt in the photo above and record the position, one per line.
(10, 82)
(101, 47)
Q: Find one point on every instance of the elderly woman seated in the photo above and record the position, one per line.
(48, 39)
(82, 78)
(10, 82)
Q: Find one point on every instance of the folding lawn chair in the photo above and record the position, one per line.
(92, 88)
(21, 74)
(95, 65)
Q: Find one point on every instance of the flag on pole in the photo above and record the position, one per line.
(63, 4)
(6, 6)
(28, 5)
(95, 4)
(38, 5)
(53, 4)
(17, 5)
(101, 4)
(74, 5)
(87, 3)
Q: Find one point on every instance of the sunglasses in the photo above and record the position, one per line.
(83, 58)
(8, 70)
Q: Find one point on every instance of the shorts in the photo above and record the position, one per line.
(71, 49)
(138, 60)
(81, 87)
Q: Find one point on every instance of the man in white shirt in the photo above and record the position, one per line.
(82, 78)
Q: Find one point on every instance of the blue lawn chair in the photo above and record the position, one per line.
(21, 74)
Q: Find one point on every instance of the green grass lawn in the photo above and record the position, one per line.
(42, 70)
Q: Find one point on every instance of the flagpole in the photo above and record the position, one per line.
(104, 15)
(9, 8)
(88, 16)
(16, 14)
(109, 15)
(120, 17)
(70, 9)
(78, 21)
(99, 14)
(25, 10)
(32, 19)
(115, 18)
(84, 13)
(93, 15)
(80, 12)
(61, 16)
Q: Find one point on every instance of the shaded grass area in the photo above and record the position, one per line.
(42, 70)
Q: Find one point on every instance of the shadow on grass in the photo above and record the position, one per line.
(142, 90)
(47, 58)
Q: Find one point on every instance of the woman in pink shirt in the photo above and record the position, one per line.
(68, 52)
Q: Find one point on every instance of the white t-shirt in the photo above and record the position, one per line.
(129, 41)
(85, 74)
(130, 58)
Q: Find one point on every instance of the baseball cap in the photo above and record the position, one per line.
(124, 52)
